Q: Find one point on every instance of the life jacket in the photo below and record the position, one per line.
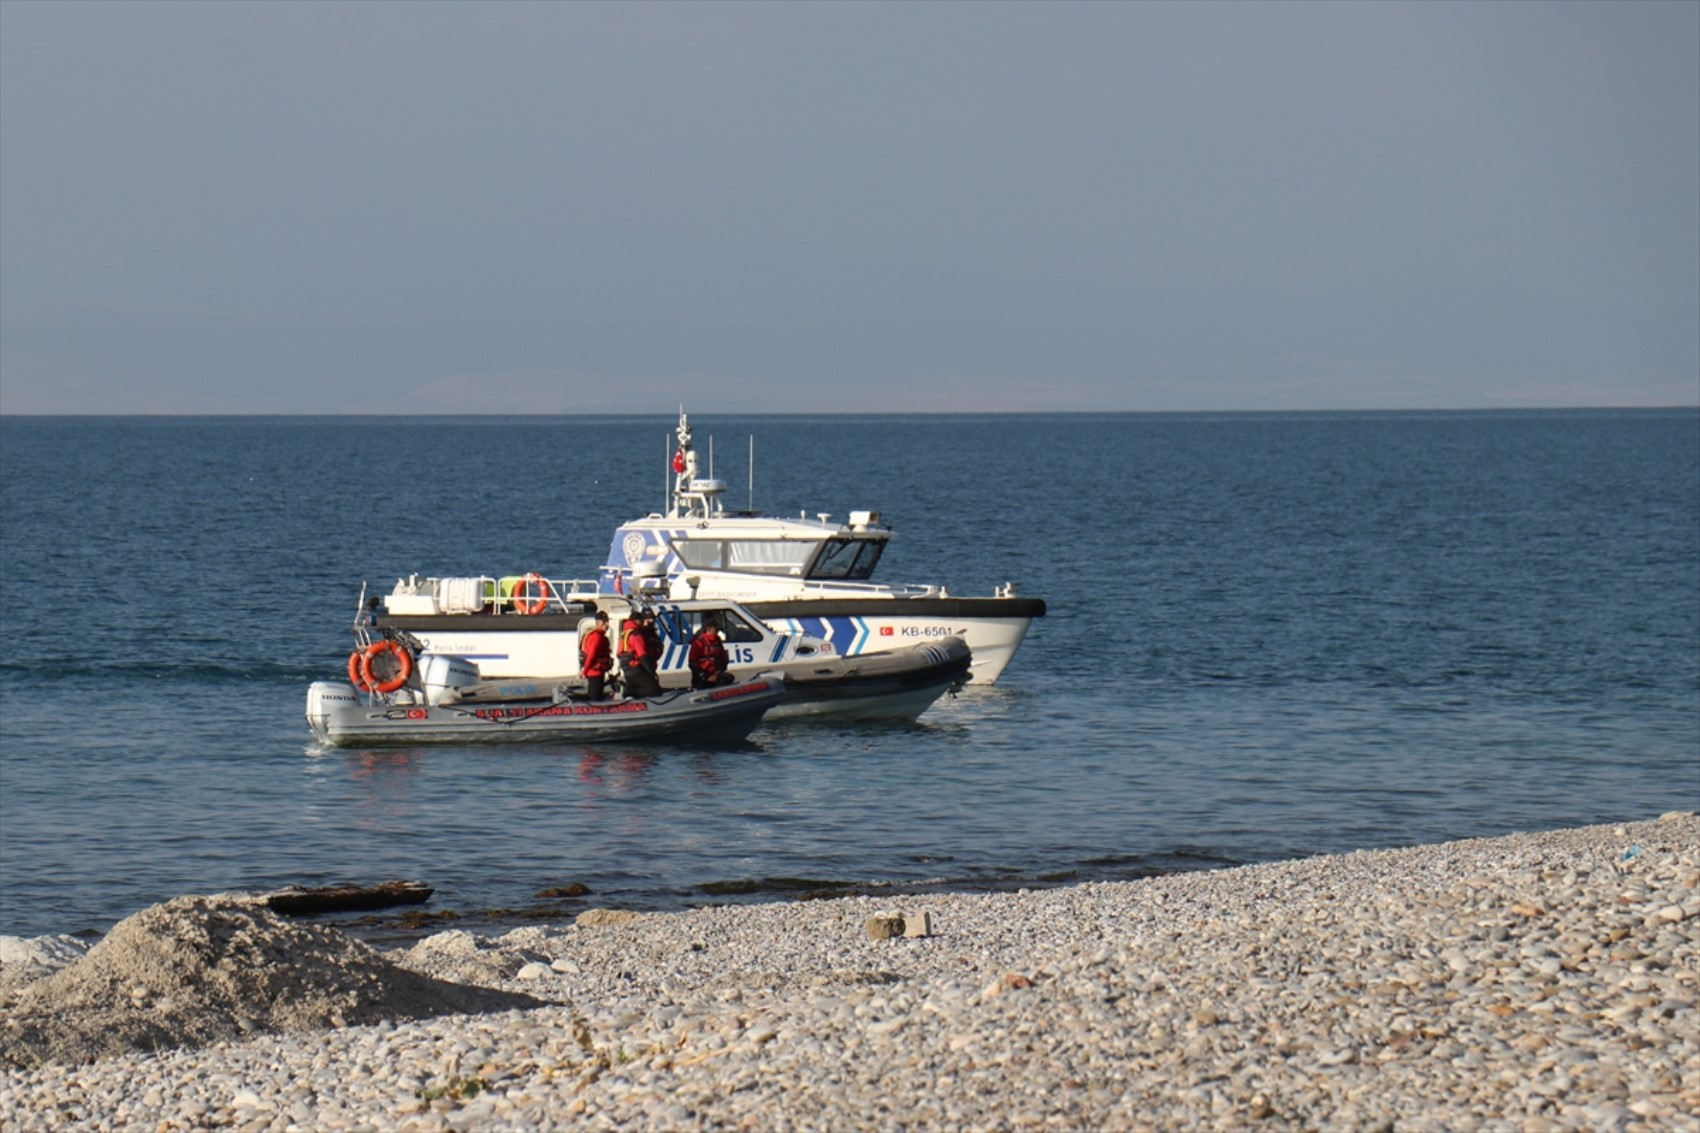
(593, 659)
(708, 655)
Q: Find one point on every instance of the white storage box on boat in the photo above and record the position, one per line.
(463, 595)
(410, 603)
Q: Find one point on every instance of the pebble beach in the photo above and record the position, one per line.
(1542, 981)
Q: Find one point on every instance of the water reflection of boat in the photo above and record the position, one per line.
(804, 575)
(615, 771)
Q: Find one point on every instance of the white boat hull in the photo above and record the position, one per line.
(859, 626)
(855, 618)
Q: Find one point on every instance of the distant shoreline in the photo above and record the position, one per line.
(768, 415)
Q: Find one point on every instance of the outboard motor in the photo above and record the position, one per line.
(324, 698)
(441, 675)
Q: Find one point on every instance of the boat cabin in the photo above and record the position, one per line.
(795, 549)
(698, 535)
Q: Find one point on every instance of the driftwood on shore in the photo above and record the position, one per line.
(296, 901)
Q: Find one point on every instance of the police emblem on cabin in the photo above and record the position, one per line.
(634, 547)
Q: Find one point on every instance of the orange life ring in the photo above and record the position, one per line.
(532, 583)
(404, 661)
(355, 677)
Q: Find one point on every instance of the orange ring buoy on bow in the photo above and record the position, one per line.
(532, 583)
(355, 676)
(404, 670)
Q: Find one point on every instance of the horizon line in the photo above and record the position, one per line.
(1675, 407)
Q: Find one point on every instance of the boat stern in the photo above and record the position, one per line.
(323, 699)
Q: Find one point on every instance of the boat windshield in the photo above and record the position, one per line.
(750, 556)
(853, 559)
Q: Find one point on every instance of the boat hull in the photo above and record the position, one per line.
(718, 715)
(503, 648)
(992, 627)
(845, 665)
(894, 686)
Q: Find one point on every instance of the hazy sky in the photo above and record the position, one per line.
(320, 207)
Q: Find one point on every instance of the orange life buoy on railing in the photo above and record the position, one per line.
(532, 584)
(355, 677)
(368, 659)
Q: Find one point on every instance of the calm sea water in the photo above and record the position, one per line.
(1270, 636)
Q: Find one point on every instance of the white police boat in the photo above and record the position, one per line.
(519, 637)
(803, 575)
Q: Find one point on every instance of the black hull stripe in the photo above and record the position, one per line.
(898, 607)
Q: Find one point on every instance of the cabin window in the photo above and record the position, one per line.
(703, 554)
(768, 556)
(734, 628)
(749, 556)
(847, 558)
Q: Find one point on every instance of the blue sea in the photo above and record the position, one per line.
(1270, 636)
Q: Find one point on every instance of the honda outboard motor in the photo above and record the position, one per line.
(440, 675)
(325, 697)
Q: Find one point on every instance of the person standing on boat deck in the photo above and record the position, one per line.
(596, 657)
(652, 647)
(640, 642)
(708, 656)
(628, 626)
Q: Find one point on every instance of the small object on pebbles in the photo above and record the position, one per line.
(591, 918)
(887, 926)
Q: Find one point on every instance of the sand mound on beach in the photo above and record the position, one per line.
(197, 970)
(24, 960)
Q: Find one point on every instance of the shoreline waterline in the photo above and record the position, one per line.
(1531, 981)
